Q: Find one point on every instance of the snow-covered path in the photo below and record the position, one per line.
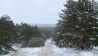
(51, 50)
(44, 51)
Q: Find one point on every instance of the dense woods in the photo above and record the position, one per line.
(25, 34)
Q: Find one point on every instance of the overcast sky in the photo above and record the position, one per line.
(32, 11)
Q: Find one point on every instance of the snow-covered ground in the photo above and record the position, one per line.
(51, 50)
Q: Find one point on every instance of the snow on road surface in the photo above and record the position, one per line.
(51, 50)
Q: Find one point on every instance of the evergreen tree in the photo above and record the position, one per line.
(76, 27)
(7, 32)
(66, 26)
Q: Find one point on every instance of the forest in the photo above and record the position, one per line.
(77, 28)
(25, 34)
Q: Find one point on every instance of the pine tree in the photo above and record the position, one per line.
(66, 26)
(76, 27)
(7, 32)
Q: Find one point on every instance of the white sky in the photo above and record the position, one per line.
(32, 11)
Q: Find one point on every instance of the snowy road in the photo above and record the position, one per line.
(51, 50)
(48, 51)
